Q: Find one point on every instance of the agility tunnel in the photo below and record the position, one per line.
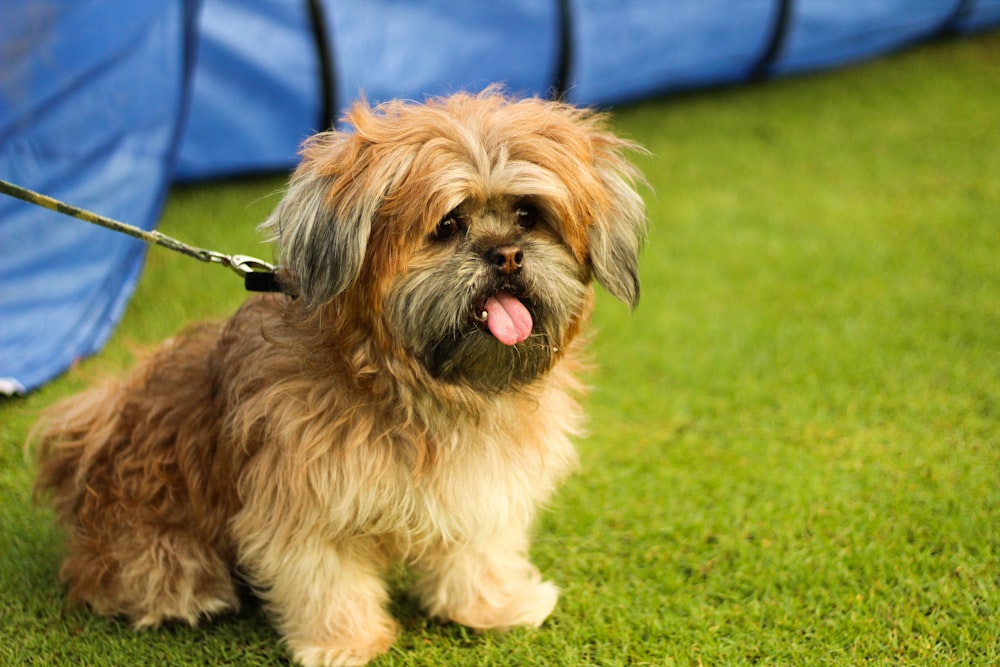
(105, 103)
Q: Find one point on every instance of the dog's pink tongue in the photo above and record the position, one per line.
(507, 318)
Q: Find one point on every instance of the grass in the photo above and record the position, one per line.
(795, 439)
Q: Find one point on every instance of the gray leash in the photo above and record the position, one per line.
(258, 275)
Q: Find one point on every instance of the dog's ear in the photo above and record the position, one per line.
(618, 231)
(323, 223)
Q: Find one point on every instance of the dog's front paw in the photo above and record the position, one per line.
(539, 606)
(333, 615)
(525, 606)
(496, 601)
(335, 656)
(350, 652)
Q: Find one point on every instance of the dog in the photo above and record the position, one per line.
(410, 399)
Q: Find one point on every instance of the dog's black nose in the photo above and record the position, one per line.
(508, 259)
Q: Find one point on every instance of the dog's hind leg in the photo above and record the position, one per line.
(149, 574)
(130, 467)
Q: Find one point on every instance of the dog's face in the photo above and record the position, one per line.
(491, 293)
(464, 233)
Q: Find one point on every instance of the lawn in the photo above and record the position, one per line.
(795, 439)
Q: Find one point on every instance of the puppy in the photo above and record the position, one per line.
(409, 399)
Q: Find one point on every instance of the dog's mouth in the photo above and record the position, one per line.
(504, 316)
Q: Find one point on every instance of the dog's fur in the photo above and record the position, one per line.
(311, 441)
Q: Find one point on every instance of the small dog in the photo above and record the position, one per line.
(413, 402)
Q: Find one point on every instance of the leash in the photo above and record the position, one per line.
(258, 275)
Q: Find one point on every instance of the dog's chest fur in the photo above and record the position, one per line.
(487, 472)
(490, 475)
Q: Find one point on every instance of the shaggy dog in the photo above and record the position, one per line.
(409, 399)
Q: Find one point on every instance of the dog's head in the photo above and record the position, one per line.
(464, 232)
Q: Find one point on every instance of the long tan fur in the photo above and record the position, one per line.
(312, 441)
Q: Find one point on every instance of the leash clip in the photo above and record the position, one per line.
(258, 275)
(244, 265)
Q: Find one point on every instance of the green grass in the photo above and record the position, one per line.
(795, 440)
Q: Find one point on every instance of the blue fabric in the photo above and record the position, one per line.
(399, 48)
(80, 122)
(255, 92)
(980, 15)
(103, 103)
(625, 51)
(824, 33)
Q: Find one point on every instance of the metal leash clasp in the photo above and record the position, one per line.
(258, 275)
(244, 265)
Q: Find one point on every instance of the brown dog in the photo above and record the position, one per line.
(414, 401)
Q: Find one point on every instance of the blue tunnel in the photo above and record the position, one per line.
(105, 103)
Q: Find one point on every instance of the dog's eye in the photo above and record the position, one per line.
(449, 226)
(527, 216)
